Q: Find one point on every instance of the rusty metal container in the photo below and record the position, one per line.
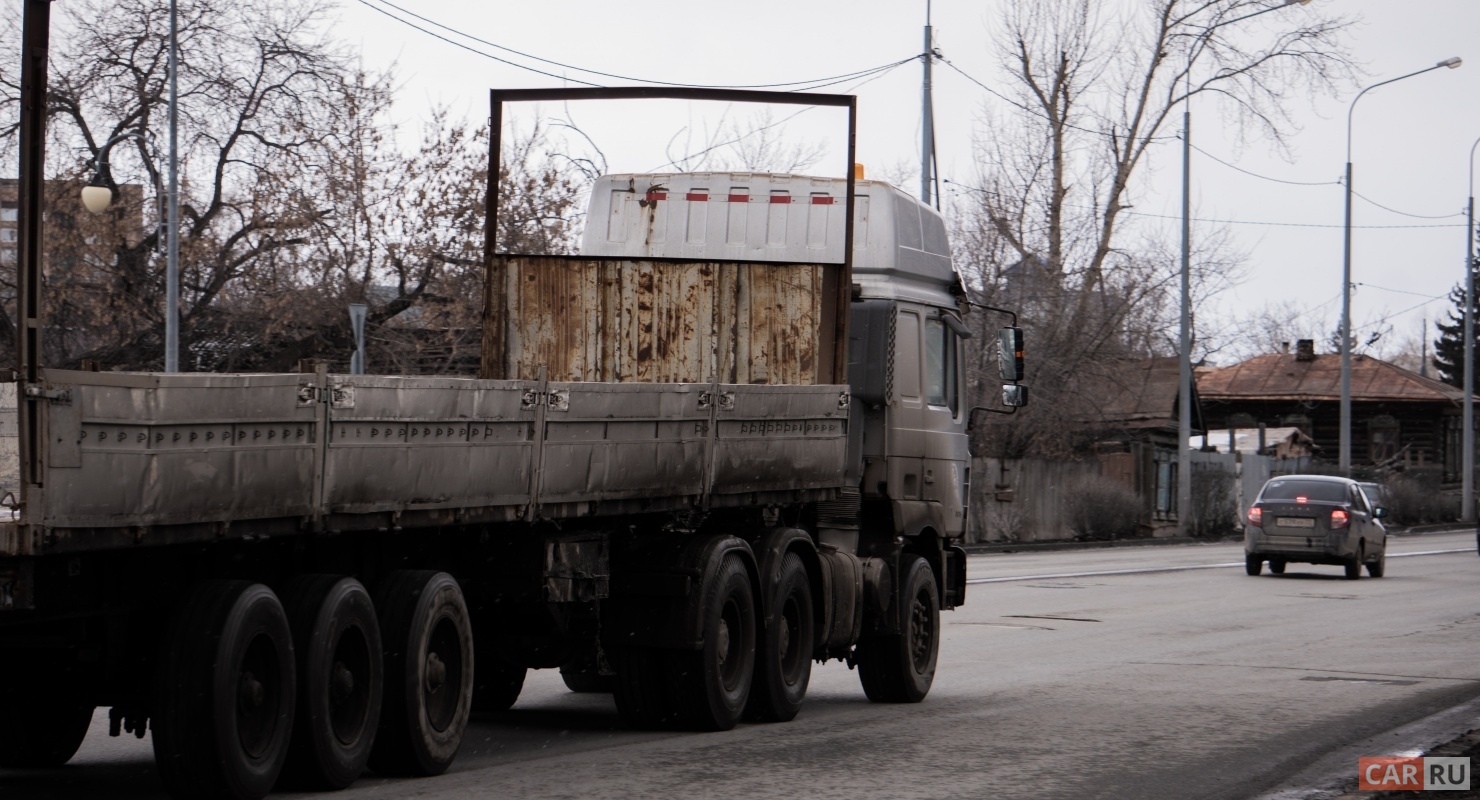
(621, 320)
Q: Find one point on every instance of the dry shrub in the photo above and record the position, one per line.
(1215, 512)
(1099, 508)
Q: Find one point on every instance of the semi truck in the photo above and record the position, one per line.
(725, 441)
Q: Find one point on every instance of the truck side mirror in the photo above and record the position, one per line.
(1010, 355)
(1014, 395)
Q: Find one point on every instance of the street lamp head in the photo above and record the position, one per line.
(1452, 63)
(96, 197)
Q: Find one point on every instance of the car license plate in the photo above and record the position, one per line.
(1296, 522)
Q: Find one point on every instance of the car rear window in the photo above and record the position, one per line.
(1324, 491)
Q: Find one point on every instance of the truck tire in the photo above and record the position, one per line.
(589, 682)
(642, 691)
(224, 693)
(784, 658)
(497, 683)
(900, 668)
(712, 684)
(341, 680)
(428, 645)
(41, 723)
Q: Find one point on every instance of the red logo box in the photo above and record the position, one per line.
(1390, 773)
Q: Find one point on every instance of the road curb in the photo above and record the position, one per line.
(985, 548)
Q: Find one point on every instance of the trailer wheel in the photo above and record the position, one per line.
(428, 645)
(712, 684)
(899, 668)
(340, 680)
(784, 657)
(41, 723)
(224, 694)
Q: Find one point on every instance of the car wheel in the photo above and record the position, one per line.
(1354, 567)
(1378, 567)
(1253, 564)
(1277, 566)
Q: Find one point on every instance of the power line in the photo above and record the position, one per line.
(816, 83)
(1405, 213)
(782, 121)
(1264, 177)
(1231, 221)
(1396, 291)
(1031, 110)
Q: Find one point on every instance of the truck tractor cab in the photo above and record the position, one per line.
(908, 443)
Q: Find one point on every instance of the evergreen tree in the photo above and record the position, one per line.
(1449, 348)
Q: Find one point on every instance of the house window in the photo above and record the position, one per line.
(9, 234)
(1382, 438)
(9, 211)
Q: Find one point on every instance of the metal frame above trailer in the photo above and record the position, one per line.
(837, 283)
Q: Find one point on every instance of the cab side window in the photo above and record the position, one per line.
(940, 365)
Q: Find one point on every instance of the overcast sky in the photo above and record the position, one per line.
(1411, 144)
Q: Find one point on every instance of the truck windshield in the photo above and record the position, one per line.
(1321, 491)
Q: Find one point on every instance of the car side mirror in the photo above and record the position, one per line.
(1378, 512)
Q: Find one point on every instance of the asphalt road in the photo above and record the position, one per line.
(1071, 674)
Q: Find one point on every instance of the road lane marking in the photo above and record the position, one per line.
(1145, 570)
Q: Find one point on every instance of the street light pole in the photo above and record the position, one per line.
(172, 252)
(1467, 457)
(1184, 340)
(1345, 452)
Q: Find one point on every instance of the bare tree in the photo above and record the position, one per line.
(295, 195)
(1093, 88)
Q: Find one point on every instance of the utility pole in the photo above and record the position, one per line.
(172, 252)
(927, 116)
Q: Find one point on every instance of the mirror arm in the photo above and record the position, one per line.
(986, 307)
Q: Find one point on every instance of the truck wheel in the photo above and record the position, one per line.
(588, 682)
(899, 668)
(712, 684)
(496, 683)
(784, 657)
(41, 723)
(642, 689)
(223, 702)
(1253, 564)
(340, 680)
(428, 645)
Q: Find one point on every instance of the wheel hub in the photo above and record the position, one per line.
(342, 684)
(722, 641)
(249, 692)
(436, 673)
(785, 631)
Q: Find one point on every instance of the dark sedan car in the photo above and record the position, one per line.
(1315, 519)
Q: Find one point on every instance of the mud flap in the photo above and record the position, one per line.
(955, 593)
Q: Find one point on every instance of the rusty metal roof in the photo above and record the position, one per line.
(1281, 376)
(1144, 395)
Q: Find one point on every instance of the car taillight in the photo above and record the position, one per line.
(1339, 519)
(1256, 516)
